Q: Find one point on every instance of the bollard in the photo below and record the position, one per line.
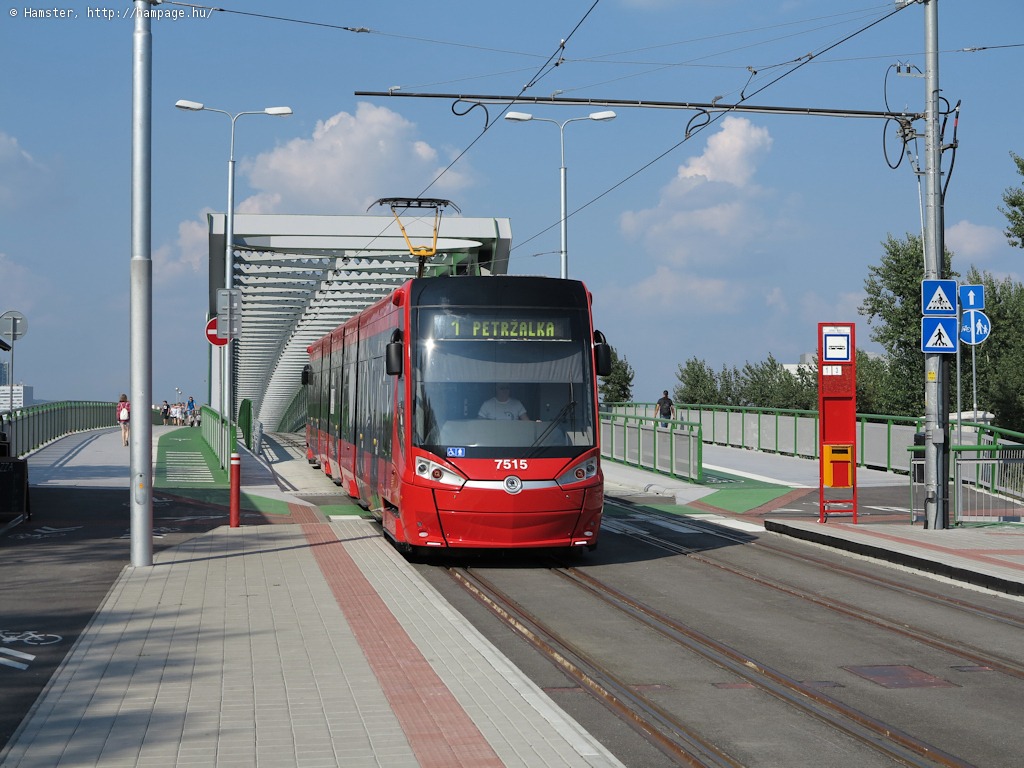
(236, 489)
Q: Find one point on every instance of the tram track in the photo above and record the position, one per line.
(660, 727)
(667, 731)
(958, 648)
(857, 573)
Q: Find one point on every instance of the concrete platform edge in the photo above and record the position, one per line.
(905, 559)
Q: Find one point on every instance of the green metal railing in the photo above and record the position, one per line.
(667, 446)
(34, 426)
(882, 441)
(220, 434)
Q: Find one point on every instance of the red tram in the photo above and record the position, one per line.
(397, 412)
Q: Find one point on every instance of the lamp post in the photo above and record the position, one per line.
(227, 404)
(523, 117)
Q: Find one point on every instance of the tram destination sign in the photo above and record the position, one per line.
(501, 328)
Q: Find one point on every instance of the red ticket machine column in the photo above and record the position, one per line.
(837, 420)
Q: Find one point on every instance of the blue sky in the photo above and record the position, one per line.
(727, 246)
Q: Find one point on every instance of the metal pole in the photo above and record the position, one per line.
(935, 387)
(10, 388)
(564, 191)
(141, 437)
(565, 253)
(229, 236)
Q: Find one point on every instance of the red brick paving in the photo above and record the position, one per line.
(439, 731)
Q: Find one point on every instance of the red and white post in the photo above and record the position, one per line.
(236, 490)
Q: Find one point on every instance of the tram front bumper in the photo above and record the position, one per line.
(533, 518)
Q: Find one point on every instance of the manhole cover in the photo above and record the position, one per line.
(899, 676)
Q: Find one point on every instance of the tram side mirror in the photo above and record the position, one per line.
(307, 375)
(602, 355)
(393, 354)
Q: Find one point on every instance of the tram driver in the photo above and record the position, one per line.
(503, 406)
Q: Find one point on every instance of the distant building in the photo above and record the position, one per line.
(806, 362)
(23, 396)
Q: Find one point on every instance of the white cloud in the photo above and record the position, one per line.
(730, 154)
(711, 210)
(676, 293)
(22, 178)
(188, 257)
(348, 162)
(974, 241)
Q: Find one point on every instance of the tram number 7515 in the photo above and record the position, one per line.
(508, 464)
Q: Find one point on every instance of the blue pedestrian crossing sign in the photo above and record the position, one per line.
(974, 327)
(972, 297)
(938, 334)
(938, 297)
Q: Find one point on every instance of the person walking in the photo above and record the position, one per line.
(665, 408)
(124, 415)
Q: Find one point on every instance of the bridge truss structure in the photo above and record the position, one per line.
(301, 276)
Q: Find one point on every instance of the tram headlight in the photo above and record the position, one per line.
(577, 473)
(431, 470)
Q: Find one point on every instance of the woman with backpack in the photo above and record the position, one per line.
(124, 414)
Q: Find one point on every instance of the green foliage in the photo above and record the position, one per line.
(617, 387)
(997, 362)
(762, 385)
(1014, 211)
(697, 384)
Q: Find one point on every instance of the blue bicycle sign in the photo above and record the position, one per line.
(974, 327)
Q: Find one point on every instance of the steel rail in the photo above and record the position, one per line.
(870, 731)
(658, 726)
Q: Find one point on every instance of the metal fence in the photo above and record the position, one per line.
(882, 441)
(32, 427)
(670, 447)
(220, 434)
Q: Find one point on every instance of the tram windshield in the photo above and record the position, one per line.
(490, 380)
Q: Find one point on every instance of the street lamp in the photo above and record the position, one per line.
(227, 406)
(522, 117)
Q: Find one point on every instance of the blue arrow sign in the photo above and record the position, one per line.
(974, 327)
(972, 297)
(938, 334)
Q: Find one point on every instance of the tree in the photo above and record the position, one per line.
(872, 383)
(998, 370)
(697, 384)
(769, 385)
(893, 308)
(617, 386)
(729, 385)
(1014, 211)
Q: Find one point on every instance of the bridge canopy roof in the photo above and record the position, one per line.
(300, 276)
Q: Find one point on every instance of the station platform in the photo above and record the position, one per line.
(302, 638)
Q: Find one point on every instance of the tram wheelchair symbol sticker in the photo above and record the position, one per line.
(456, 453)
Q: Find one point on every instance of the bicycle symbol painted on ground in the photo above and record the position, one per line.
(46, 532)
(29, 637)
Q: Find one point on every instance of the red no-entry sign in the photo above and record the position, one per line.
(211, 334)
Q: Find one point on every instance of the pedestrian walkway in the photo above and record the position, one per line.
(305, 639)
(308, 644)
